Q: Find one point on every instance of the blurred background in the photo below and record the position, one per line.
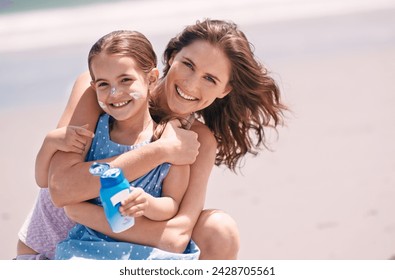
(326, 191)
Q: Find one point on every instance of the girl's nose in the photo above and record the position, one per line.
(113, 90)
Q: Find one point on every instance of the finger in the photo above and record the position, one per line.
(136, 211)
(75, 150)
(129, 211)
(80, 140)
(137, 202)
(187, 122)
(83, 131)
(125, 208)
(138, 214)
(131, 199)
(77, 144)
(176, 122)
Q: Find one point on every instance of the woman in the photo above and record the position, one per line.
(210, 70)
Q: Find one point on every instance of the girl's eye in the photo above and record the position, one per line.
(126, 80)
(102, 85)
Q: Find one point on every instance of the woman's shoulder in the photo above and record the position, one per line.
(205, 135)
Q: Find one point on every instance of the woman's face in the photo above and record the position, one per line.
(198, 74)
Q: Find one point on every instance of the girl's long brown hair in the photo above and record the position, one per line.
(126, 43)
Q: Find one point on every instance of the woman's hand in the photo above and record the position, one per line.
(182, 146)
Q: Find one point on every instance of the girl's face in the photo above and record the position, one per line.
(199, 74)
(121, 87)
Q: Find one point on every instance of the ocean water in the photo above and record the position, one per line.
(42, 50)
(16, 6)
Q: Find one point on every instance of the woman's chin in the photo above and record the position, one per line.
(180, 109)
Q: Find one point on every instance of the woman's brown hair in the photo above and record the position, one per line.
(239, 119)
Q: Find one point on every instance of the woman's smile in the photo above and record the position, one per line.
(184, 95)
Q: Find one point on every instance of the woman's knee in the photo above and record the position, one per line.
(217, 235)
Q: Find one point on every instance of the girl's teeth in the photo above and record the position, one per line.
(120, 104)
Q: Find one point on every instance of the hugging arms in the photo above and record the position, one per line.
(210, 70)
(70, 182)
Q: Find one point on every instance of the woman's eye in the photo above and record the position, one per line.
(187, 64)
(210, 79)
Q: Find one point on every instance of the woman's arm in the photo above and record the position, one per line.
(172, 235)
(68, 139)
(49, 146)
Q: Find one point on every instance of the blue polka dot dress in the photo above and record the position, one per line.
(86, 243)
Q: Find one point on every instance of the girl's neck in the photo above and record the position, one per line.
(132, 131)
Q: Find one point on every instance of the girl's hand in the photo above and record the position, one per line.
(135, 204)
(71, 138)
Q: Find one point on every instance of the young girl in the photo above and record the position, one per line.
(123, 69)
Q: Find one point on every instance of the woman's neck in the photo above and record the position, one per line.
(159, 96)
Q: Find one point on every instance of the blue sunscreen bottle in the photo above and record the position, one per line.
(114, 188)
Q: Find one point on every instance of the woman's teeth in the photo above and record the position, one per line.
(185, 96)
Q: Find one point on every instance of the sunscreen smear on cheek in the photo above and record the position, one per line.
(136, 95)
(102, 105)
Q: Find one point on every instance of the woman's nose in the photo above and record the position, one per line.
(191, 83)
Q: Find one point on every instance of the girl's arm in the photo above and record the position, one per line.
(139, 203)
(69, 179)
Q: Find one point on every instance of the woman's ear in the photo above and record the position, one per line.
(227, 90)
(171, 59)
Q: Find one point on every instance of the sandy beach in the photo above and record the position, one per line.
(326, 191)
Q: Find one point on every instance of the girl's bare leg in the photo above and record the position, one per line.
(23, 249)
(217, 235)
